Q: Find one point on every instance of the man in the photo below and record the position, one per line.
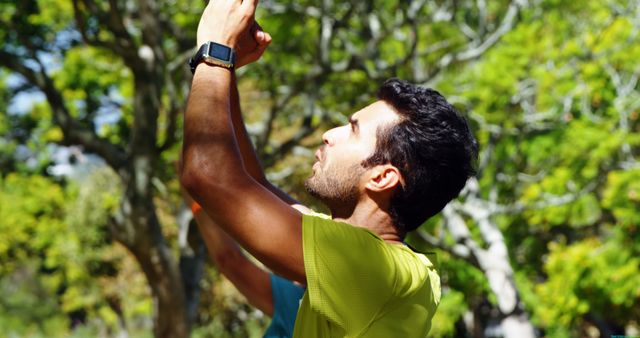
(398, 162)
(275, 296)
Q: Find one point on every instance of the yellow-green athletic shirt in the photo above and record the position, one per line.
(358, 285)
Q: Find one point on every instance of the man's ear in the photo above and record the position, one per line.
(383, 178)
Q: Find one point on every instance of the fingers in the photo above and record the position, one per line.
(265, 39)
(260, 49)
(260, 36)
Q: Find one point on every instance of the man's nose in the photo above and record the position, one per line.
(333, 135)
(327, 137)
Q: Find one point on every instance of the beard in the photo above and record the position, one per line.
(336, 186)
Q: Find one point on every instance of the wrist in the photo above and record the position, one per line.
(227, 41)
(208, 71)
(215, 54)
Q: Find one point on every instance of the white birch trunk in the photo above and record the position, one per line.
(493, 261)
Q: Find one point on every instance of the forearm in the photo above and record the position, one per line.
(209, 148)
(221, 247)
(213, 171)
(252, 281)
(213, 174)
(249, 157)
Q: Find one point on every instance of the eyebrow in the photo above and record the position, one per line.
(354, 125)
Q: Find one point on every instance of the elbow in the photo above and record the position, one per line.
(198, 174)
(201, 178)
(192, 178)
(195, 179)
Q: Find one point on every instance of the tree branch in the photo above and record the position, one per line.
(73, 131)
(305, 130)
(123, 44)
(457, 250)
(151, 29)
(475, 51)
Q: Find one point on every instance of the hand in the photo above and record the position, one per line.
(252, 45)
(225, 21)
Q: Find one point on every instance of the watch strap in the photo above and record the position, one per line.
(214, 54)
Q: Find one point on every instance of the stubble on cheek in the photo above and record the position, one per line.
(334, 184)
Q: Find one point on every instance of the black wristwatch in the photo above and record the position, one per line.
(214, 54)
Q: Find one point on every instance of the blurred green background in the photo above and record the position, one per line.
(96, 242)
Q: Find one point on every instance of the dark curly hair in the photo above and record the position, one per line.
(433, 148)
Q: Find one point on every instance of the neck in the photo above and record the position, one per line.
(369, 215)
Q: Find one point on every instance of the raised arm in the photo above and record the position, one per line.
(249, 156)
(249, 50)
(213, 170)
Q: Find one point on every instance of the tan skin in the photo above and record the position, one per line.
(250, 279)
(232, 190)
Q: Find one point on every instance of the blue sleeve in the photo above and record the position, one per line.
(286, 300)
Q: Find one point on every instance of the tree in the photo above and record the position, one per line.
(551, 89)
(355, 47)
(121, 58)
(554, 102)
(137, 51)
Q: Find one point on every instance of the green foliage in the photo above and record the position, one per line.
(224, 312)
(547, 102)
(452, 307)
(58, 264)
(590, 277)
(563, 143)
(90, 75)
(31, 209)
(622, 197)
(31, 214)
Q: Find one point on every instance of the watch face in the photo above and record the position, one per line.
(220, 52)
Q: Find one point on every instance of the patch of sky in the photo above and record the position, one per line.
(109, 112)
(23, 101)
(72, 162)
(67, 38)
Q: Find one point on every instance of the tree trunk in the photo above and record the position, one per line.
(492, 261)
(139, 230)
(148, 244)
(193, 254)
(170, 315)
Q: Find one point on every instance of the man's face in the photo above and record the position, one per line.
(338, 177)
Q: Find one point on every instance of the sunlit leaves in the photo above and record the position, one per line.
(589, 276)
(450, 310)
(31, 221)
(550, 101)
(622, 196)
(546, 104)
(57, 14)
(31, 213)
